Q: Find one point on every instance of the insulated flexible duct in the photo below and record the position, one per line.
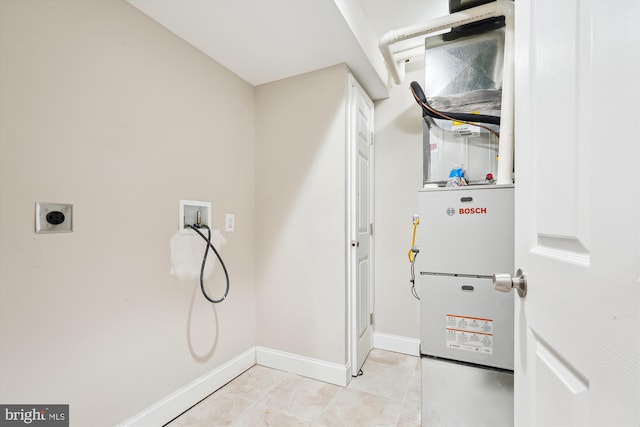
(428, 110)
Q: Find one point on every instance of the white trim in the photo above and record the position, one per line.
(321, 370)
(182, 399)
(355, 89)
(350, 227)
(397, 343)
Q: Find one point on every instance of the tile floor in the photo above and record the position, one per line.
(388, 394)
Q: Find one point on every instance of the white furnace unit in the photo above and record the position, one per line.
(466, 236)
(466, 218)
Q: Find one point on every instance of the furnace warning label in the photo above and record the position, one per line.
(469, 333)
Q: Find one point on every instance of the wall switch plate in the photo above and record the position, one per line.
(54, 218)
(193, 212)
(229, 222)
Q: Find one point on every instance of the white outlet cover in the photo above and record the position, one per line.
(229, 222)
(43, 226)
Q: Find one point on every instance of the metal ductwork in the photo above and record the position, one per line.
(469, 69)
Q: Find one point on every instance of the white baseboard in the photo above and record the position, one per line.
(182, 399)
(321, 370)
(397, 343)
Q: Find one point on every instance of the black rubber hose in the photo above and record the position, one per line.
(204, 261)
(418, 94)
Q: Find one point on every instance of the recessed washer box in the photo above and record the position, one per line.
(192, 211)
(54, 218)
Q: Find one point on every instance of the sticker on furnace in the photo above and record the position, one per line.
(469, 333)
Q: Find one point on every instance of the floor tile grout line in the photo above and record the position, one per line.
(262, 399)
(385, 361)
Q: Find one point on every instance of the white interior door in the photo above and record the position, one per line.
(361, 219)
(577, 215)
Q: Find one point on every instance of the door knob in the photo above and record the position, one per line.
(355, 243)
(503, 282)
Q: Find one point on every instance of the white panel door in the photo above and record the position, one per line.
(577, 216)
(361, 164)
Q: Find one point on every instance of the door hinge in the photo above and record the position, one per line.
(371, 229)
(371, 318)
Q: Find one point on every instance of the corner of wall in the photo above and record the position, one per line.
(184, 398)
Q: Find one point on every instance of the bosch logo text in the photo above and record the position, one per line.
(472, 211)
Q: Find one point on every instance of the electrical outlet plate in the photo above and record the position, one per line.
(188, 214)
(54, 218)
(229, 222)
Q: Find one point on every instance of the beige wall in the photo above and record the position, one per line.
(103, 108)
(301, 214)
(398, 177)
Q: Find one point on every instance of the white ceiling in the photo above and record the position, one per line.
(386, 15)
(267, 40)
